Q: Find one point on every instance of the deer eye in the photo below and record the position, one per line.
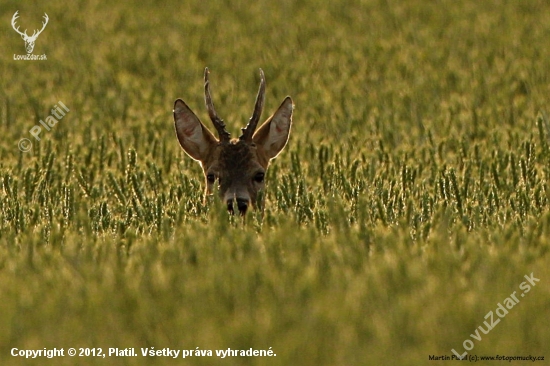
(259, 177)
(211, 178)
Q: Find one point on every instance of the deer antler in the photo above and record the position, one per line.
(24, 34)
(35, 35)
(248, 131)
(13, 20)
(216, 121)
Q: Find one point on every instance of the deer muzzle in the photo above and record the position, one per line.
(242, 205)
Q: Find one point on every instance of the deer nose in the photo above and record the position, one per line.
(242, 205)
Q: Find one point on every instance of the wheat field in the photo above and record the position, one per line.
(410, 204)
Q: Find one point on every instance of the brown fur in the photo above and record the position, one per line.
(237, 166)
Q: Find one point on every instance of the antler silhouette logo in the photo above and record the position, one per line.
(29, 40)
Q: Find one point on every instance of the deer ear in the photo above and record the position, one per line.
(193, 136)
(273, 134)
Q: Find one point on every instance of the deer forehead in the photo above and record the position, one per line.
(235, 159)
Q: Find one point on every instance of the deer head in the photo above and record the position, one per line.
(236, 166)
(29, 41)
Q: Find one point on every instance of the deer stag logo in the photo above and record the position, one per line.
(236, 166)
(29, 40)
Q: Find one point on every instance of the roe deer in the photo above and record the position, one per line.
(237, 166)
